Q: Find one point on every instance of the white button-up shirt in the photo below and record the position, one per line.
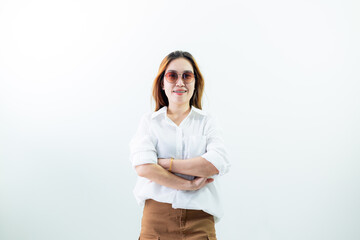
(159, 137)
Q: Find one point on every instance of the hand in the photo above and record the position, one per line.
(200, 182)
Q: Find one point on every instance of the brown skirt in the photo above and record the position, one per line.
(161, 221)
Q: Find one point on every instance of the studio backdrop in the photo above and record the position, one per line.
(281, 78)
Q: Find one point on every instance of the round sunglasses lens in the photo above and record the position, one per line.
(172, 77)
(188, 77)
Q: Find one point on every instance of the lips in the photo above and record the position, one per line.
(180, 90)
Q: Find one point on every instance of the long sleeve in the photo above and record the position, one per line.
(143, 145)
(215, 148)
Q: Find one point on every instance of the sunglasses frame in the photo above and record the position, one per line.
(181, 76)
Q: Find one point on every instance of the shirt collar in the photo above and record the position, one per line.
(163, 110)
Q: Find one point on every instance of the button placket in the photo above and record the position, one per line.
(179, 146)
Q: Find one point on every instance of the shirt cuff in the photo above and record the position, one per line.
(144, 158)
(217, 160)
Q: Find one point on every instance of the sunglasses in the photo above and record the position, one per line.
(172, 77)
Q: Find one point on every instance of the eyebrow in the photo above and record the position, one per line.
(186, 71)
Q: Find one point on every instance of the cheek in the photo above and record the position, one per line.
(192, 90)
(167, 90)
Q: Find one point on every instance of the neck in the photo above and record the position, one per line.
(178, 110)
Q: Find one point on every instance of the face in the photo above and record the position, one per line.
(179, 65)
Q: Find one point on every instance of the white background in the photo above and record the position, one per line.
(281, 76)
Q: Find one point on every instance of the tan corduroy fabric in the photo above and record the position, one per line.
(161, 221)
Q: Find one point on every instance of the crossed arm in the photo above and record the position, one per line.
(197, 166)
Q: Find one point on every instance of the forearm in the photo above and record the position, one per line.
(197, 166)
(158, 174)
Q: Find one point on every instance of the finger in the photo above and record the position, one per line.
(209, 180)
(199, 181)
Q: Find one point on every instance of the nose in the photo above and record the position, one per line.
(180, 81)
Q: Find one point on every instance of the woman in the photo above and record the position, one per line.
(178, 154)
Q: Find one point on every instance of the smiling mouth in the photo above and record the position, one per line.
(179, 91)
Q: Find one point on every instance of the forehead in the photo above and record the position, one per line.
(180, 65)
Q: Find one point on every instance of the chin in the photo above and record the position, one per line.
(181, 102)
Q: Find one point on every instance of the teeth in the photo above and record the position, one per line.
(179, 91)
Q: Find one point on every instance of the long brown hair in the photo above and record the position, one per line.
(159, 95)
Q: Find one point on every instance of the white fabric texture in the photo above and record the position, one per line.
(197, 135)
